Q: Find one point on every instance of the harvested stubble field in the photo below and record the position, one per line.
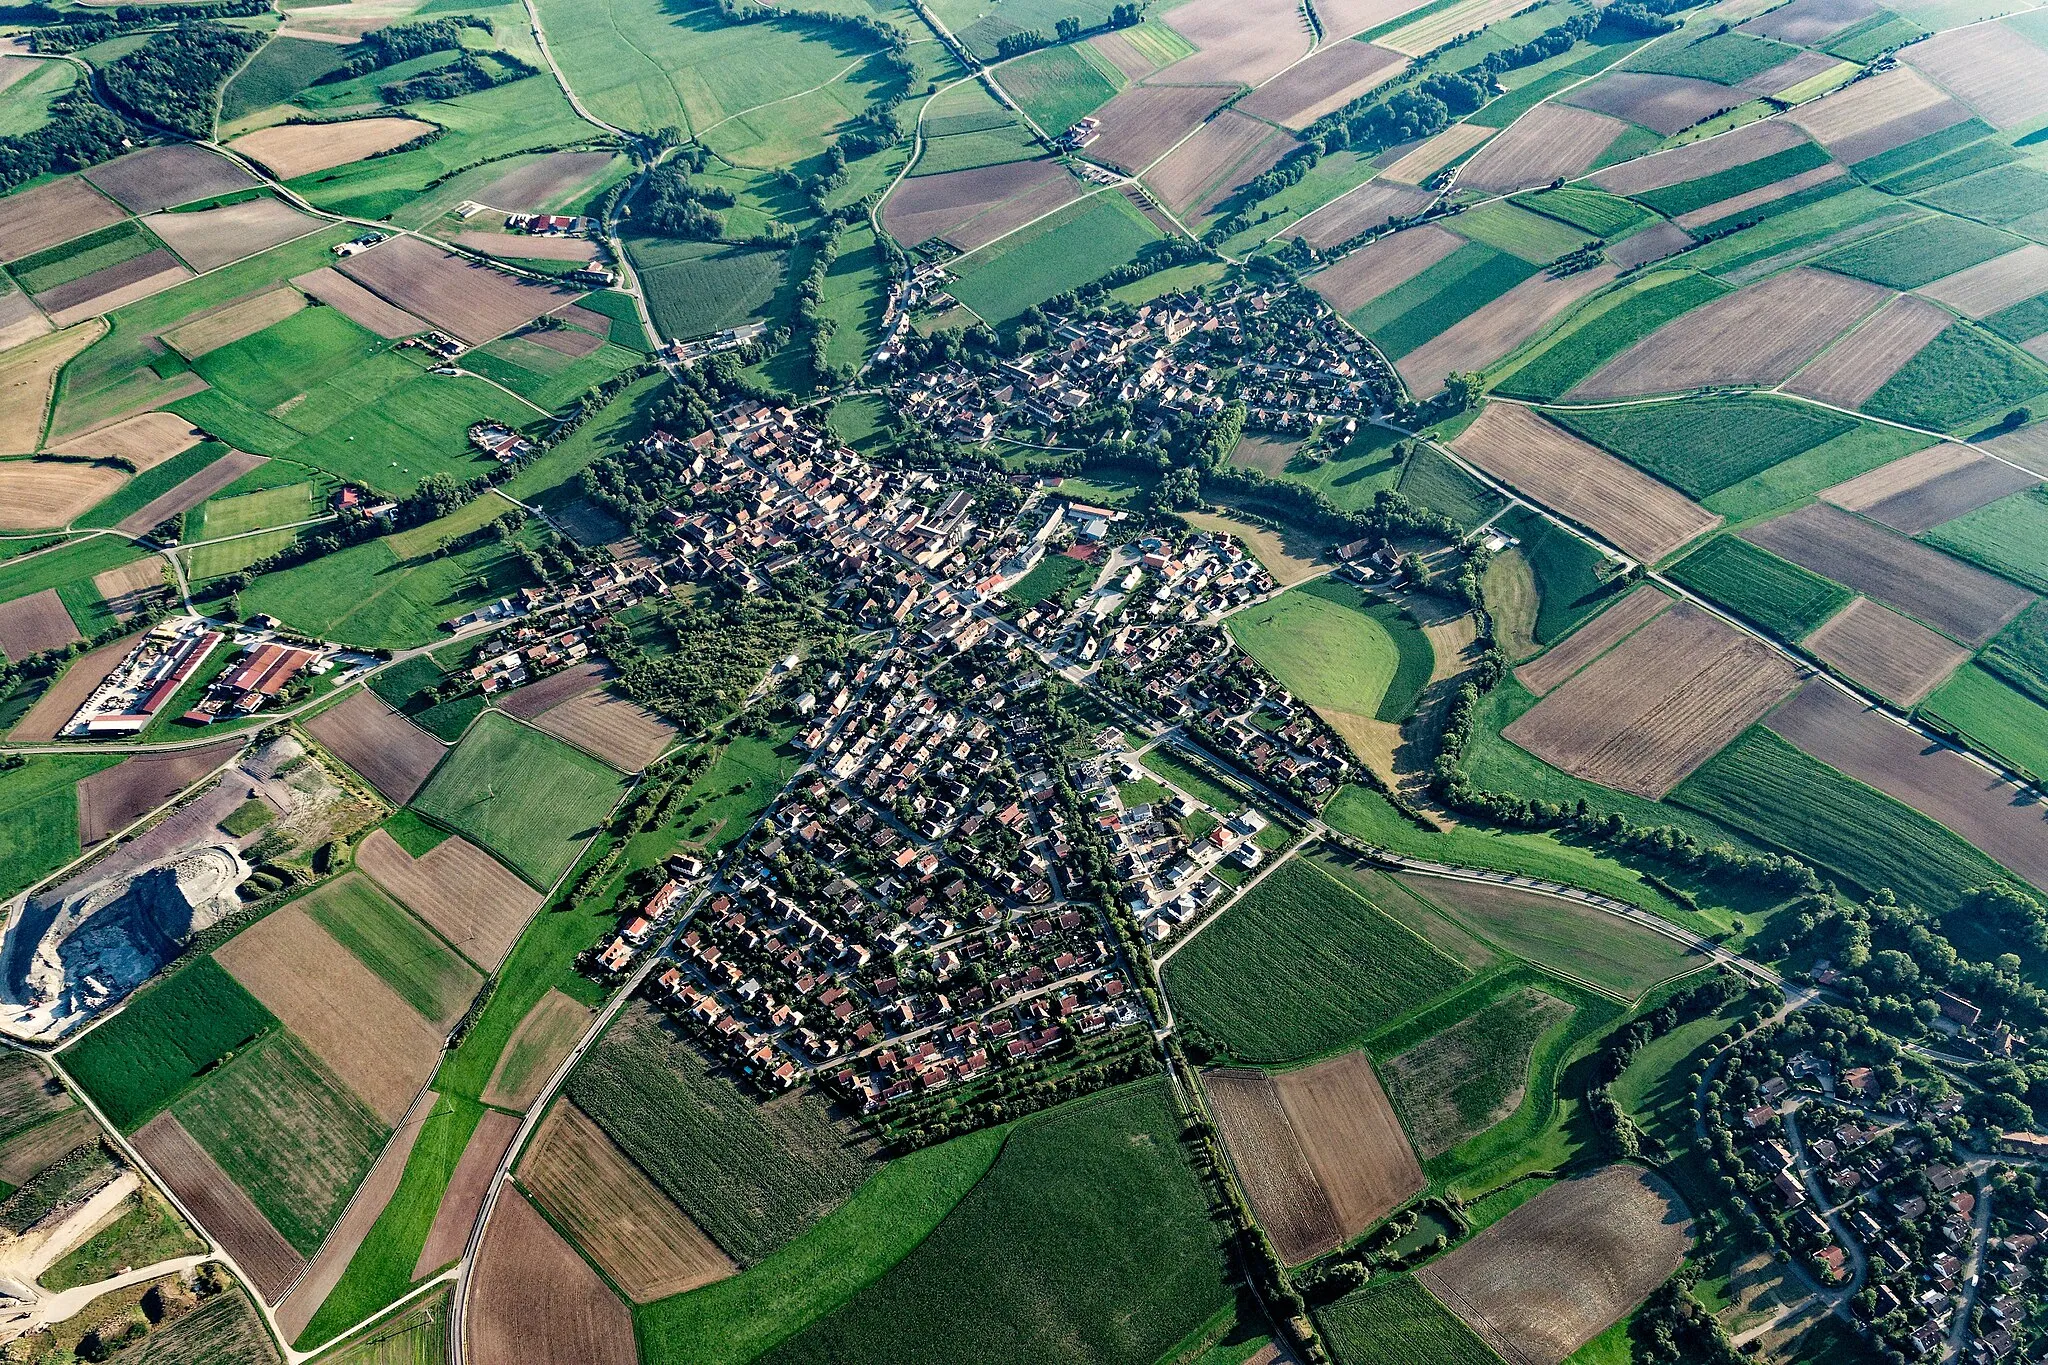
(1810, 21)
(1939, 782)
(1985, 288)
(358, 304)
(178, 500)
(1591, 640)
(1664, 103)
(28, 1094)
(1548, 142)
(1995, 69)
(1698, 160)
(393, 755)
(1221, 155)
(211, 238)
(53, 493)
(290, 150)
(1611, 726)
(1464, 1080)
(1143, 122)
(1368, 206)
(227, 1214)
(430, 978)
(144, 441)
(1559, 1270)
(32, 624)
(116, 797)
(160, 177)
(541, 1043)
(1321, 1153)
(346, 1014)
(534, 1301)
(129, 590)
(555, 689)
(1757, 335)
(1873, 116)
(472, 301)
(1301, 965)
(1925, 489)
(1951, 596)
(1238, 41)
(617, 729)
(1646, 519)
(465, 893)
(1479, 339)
(1894, 656)
(645, 1244)
(1857, 366)
(1418, 166)
(64, 696)
(464, 1197)
(1383, 266)
(1332, 78)
(48, 214)
(26, 1154)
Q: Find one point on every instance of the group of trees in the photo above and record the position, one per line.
(80, 133)
(1065, 30)
(466, 75)
(174, 79)
(71, 30)
(395, 43)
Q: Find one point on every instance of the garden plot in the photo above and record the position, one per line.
(974, 207)
(1757, 335)
(161, 177)
(1956, 599)
(1368, 206)
(1143, 122)
(1336, 75)
(1989, 286)
(212, 238)
(617, 729)
(1698, 160)
(37, 219)
(32, 624)
(1591, 640)
(464, 1197)
(1482, 337)
(535, 1301)
(1925, 489)
(189, 493)
(1939, 782)
(1658, 705)
(1418, 166)
(1458, 1083)
(1646, 519)
(358, 304)
(1894, 656)
(1665, 103)
(114, 798)
(462, 891)
(1768, 194)
(1559, 1270)
(1808, 22)
(1549, 142)
(144, 441)
(391, 753)
(290, 150)
(103, 291)
(1995, 70)
(1238, 41)
(1221, 155)
(1873, 116)
(1383, 266)
(472, 301)
(1847, 373)
(1319, 1150)
(344, 1012)
(54, 493)
(222, 1209)
(645, 1244)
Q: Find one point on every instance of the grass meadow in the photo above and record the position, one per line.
(168, 1033)
(526, 797)
(1920, 252)
(1569, 585)
(1058, 86)
(39, 815)
(1963, 376)
(1336, 649)
(1994, 716)
(2019, 653)
(2008, 537)
(1784, 486)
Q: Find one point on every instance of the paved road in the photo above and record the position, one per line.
(1859, 1265)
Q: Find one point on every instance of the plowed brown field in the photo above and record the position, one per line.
(1475, 342)
(464, 1197)
(391, 753)
(1549, 141)
(462, 891)
(1336, 75)
(1924, 490)
(1892, 655)
(474, 302)
(228, 1215)
(1385, 265)
(32, 624)
(113, 798)
(1591, 640)
(1368, 206)
(1852, 369)
(534, 1301)
(52, 213)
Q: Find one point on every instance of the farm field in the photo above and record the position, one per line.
(423, 972)
(39, 833)
(487, 790)
(1564, 936)
(1928, 489)
(171, 1031)
(1894, 656)
(1061, 253)
(1339, 650)
(392, 753)
(536, 1299)
(1282, 975)
(1396, 1319)
(1994, 716)
(1701, 446)
(1589, 642)
(1464, 1080)
(1767, 591)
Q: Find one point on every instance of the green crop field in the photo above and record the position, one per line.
(1433, 481)
(2019, 653)
(1993, 716)
(1604, 331)
(1461, 1081)
(75, 259)
(1766, 788)
(1532, 236)
(1857, 451)
(424, 971)
(1962, 376)
(1688, 195)
(70, 570)
(245, 512)
(530, 799)
(1338, 650)
(1051, 575)
(2009, 536)
(1192, 780)
(1702, 445)
(1064, 252)
(752, 1176)
(1568, 585)
(696, 288)
(1723, 58)
(1870, 39)
(1770, 592)
(1807, 228)
(1058, 86)
(2005, 194)
(286, 1130)
(1920, 150)
(544, 376)
(1454, 288)
(168, 1033)
(2023, 321)
(151, 484)
(288, 358)
(1397, 1319)
(1574, 939)
(1089, 1240)
(1607, 216)
(1303, 965)
(735, 1320)
(39, 815)
(281, 70)
(1920, 252)
(1956, 165)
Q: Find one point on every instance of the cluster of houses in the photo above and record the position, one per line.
(500, 442)
(1147, 598)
